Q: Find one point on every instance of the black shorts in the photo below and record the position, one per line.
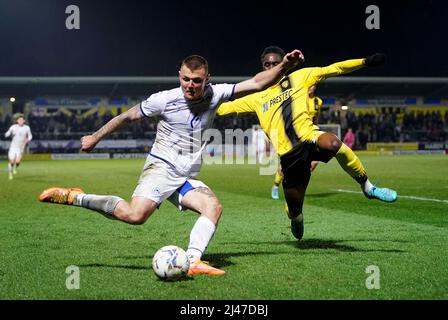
(296, 165)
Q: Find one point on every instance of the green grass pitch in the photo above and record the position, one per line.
(344, 234)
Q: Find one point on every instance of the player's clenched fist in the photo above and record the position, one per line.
(293, 58)
(88, 143)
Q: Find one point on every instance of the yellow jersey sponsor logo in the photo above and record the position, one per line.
(280, 98)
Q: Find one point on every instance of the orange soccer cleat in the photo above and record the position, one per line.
(202, 267)
(60, 195)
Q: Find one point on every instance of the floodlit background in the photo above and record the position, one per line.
(68, 83)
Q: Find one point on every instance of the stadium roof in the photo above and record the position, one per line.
(112, 87)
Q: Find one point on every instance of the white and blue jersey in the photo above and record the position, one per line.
(179, 132)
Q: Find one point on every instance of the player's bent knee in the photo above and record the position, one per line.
(133, 216)
(331, 147)
(218, 209)
(137, 212)
(336, 145)
(137, 218)
(329, 142)
(214, 211)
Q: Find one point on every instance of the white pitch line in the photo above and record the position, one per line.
(407, 197)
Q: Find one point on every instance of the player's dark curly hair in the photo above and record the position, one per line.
(272, 49)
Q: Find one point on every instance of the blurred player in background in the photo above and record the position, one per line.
(185, 112)
(21, 136)
(259, 143)
(289, 125)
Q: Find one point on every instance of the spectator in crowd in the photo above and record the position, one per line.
(383, 125)
(349, 138)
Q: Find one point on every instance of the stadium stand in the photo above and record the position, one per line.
(61, 110)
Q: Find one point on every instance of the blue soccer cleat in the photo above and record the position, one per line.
(274, 193)
(383, 194)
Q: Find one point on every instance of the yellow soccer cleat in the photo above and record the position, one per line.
(60, 195)
(202, 267)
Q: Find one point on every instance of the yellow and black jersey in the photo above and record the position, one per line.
(282, 109)
(314, 108)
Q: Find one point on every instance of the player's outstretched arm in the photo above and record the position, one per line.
(8, 133)
(265, 79)
(343, 67)
(89, 142)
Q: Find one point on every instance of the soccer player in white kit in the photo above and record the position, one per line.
(259, 140)
(21, 135)
(185, 113)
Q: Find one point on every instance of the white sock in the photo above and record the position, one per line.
(200, 236)
(78, 200)
(367, 186)
(102, 204)
(275, 187)
(9, 168)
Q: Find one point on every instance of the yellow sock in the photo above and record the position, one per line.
(351, 164)
(278, 179)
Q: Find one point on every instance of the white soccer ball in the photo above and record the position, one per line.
(170, 263)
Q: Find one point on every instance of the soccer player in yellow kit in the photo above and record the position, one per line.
(283, 113)
(314, 109)
(270, 57)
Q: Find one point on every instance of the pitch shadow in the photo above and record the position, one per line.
(307, 244)
(119, 266)
(217, 260)
(220, 260)
(320, 244)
